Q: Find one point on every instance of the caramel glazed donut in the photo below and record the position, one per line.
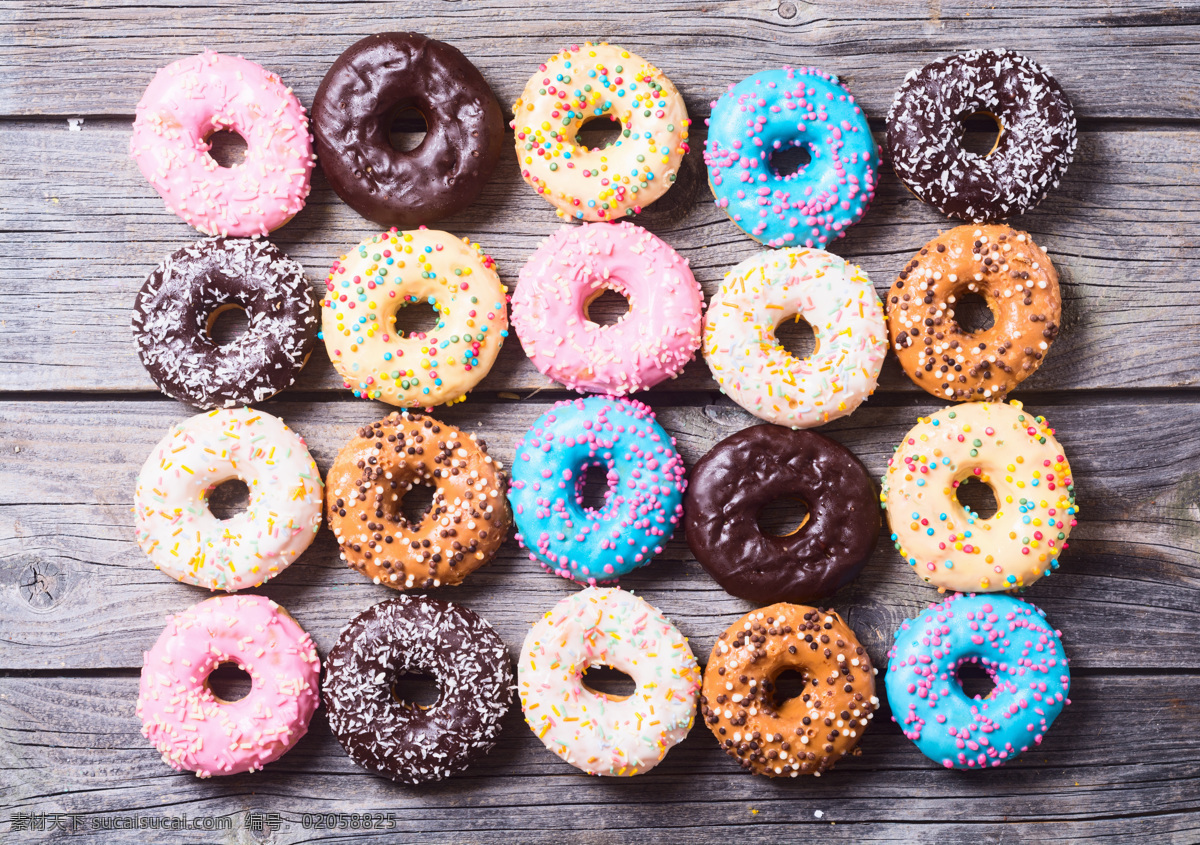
(806, 734)
(1020, 286)
(464, 526)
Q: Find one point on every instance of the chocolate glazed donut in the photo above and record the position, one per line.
(178, 306)
(377, 78)
(756, 466)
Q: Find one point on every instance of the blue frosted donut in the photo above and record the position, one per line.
(645, 489)
(1007, 637)
(772, 111)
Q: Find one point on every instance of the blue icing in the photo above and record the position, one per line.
(1009, 638)
(772, 111)
(645, 498)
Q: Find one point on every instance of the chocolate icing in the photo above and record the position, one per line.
(756, 466)
(377, 78)
(173, 309)
(414, 634)
(1037, 138)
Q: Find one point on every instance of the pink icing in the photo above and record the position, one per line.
(651, 343)
(193, 98)
(196, 731)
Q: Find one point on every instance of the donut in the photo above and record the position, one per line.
(648, 345)
(190, 100)
(466, 522)
(1020, 286)
(580, 84)
(756, 372)
(1036, 142)
(179, 304)
(759, 465)
(198, 732)
(1013, 642)
(805, 735)
(179, 533)
(645, 489)
(366, 287)
(1015, 454)
(601, 734)
(400, 740)
(381, 76)
(783, 109)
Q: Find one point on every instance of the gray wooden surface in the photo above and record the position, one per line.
(80, 228)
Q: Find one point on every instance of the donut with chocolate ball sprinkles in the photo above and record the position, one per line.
(1016, 280)
(803, 735)
(414, 635)
(464, 526)
(376, 79)
(759, 465)
(1022, 654)
(1036, 143)
(184, 295)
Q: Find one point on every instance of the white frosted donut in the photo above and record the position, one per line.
(754, 370)
(181, 535)
(598, 733)
(1010, 450)
(580, 84)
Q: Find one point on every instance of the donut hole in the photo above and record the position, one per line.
(608, 682)
(230, 682)
(592, 487)
(599, 132)
(797, 337)
(790, 161)
(227, 148)
(976, 682)
(980, 133)
(976, 497)
(407, 129)
(415, 319)
(971, 312)
(229, 499)
(783, 517)
(416, 689)
(416, 503)
(788, 684)
(606, 307)
(227, 324)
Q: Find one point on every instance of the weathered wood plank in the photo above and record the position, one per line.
(96, 58)
(80, 229)
(76, 592)
(71, 744)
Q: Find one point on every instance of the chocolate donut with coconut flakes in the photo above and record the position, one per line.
(1019, 285)
(178, 306)
(1036, 142)
(400, 740)
(467, 520)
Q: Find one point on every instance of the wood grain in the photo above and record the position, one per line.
(96, 58)
(77, 592)
(71, 744)
(82, 229)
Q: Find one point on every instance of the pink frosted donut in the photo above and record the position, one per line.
(196, 731)
(193, 98)
(575, 265)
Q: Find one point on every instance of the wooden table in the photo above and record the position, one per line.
(80, 228)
